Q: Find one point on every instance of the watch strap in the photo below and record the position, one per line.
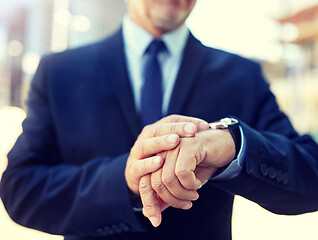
(232, 125)
(236, 135)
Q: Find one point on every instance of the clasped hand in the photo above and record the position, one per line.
(172, 159)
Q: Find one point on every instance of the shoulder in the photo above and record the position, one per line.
(230, 70)
(85, 56)
(73, 66)
(223, 59)
(226, 65)
(72, 57)
(218, 58)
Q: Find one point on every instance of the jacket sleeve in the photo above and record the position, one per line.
(41, 191)
(280, 168)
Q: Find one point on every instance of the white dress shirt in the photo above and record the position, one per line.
(136, 41)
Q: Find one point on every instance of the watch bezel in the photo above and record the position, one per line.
(223, 123)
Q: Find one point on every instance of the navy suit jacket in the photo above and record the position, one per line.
(66, 171)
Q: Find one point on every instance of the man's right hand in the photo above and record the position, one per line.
(155, 138)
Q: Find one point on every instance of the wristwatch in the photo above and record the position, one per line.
(232, 125)
(224, 123)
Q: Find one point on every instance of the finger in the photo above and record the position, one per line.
(145, 166)
(165, 195)
(151, 208)
(171, 181)
(163, 206)
(184, 169)
(189, 180)
(182, 129)
(204, 173)
(151, 130)
(201, 124)
(148, 147)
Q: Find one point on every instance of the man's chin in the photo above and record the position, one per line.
(169, 24)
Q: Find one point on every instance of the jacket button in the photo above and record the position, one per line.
(264, 169)
(101, 232)
(116, 229)
(271, 172)
(124, 227)
(108, 230)
(285, 178)
(279, 176)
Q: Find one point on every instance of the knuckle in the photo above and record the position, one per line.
(160, 142)
(141, 148)
(182, 174)
(170, 118)
(193, 156)
(142, 133)
(146, 130)
(174, 128)
(176, 203)
(167, 118)
(157, 185)
(174, 118)
(131, 169)
(155, 131)
(148, 208)
(144, 189)
(168, 180)
(143, 167)
(133, 150)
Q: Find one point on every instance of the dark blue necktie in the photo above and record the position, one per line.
(151, 93)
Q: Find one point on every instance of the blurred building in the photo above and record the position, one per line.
(103, 18)
(306, 23)
(12, 67)
(296, 76)
(31, 29)
(28, 33)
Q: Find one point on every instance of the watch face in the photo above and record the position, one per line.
(224, 123)
(218, 125)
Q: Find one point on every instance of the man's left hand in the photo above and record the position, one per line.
(186, 168)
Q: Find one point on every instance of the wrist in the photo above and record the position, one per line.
(226, 146)
(219, 148)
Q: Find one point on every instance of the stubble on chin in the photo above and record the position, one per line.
(167, 22)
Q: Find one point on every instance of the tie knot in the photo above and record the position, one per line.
(156, 46)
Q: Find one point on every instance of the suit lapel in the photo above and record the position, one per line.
(190, 66)
(116, 67)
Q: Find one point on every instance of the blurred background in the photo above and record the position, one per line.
(281, 34)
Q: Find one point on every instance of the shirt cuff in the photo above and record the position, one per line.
(235, 167)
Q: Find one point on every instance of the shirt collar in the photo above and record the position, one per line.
(137, 39)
